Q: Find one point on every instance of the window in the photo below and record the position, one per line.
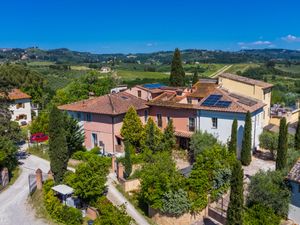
(21, 117)
(191, 124)
(88, 117)
(159, 120)
(299, 188)
(94, 140)
(146, 116)
(189, 100)
(79, 116)
(214, 123)
(139, 93)
(168, 119)
(20, 105)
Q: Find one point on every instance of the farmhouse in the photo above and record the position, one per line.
(20, 106)
(210, 105)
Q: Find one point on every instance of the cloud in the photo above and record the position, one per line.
(291, 38)
(245, 45)
(149, 44)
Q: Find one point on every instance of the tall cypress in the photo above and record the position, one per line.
(297, 135)
(282, 145)
(235, 207)
(169, 139)
(177, 76)
(127, 160)
(247, 140)
(195, 77)
(232, 146)
(58, 150)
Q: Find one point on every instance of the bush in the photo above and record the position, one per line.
(175, 203)
(85, 155)
(269, 140)
(260, 215)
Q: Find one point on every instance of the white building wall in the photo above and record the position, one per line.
(225, 120)
(294, 207)
(21, 111)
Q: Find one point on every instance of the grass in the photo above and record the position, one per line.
(80, 68)
(134, 201)
(240, 67)
(39, 151)
(291, 69)
(132, 75)
(40, 63)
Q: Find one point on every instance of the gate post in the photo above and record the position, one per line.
(39, 179)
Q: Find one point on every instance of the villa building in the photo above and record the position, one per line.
(20, 106)
(210, 105)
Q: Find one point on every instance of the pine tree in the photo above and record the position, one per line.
(297, 135)
(282, 145)
(152, 137)
(247, 140)
(58, 151)
(127, 160)
(232, 146)
(132, 128)
(177, 76)
(169, 139)
(235, 207)
(195, 78)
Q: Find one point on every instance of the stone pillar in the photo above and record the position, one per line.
(113, 161)
(4, 177)
(39, 179)
(120, 171)
(50, 175)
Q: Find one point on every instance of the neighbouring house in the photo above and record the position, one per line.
(294, 181)
(102, 118)
(105, 69)
(251, 88)
(20, 106)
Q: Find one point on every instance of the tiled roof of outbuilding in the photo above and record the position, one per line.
(15, 94)
(294, 174)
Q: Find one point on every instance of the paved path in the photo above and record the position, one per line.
(220, 71)
(14, 209)
(118, 199)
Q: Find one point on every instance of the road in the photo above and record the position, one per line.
(220, 71)
(118, 199)
(14, 209)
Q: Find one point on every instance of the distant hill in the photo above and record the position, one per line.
(64, 55)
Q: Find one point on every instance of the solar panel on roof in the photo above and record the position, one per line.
(211, 100)
(151, 86)
(223, 104)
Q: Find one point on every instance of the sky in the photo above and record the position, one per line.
(131, 26)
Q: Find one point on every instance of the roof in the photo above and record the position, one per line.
(16, 94)
(200, 90)
(246, 80)
(184, 134)
(63, 189)
(110, 104)
(294, 174)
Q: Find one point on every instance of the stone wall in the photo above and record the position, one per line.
(187, 218)
(130, 185)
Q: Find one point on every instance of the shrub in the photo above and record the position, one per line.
(260, 215)
(269, 140)
(175, 203)
(200, 141)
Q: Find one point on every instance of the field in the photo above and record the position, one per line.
(240, 67)
(132, 75)
(290, 69)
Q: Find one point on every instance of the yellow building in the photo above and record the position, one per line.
(249, 87)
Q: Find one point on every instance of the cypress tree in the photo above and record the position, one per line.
(152, 136)
(169, 139)
(232, 146)
(127, 160)
(58, 150)
(177, 76)
(195, 77)
(132, 128)
(297, 135)
(282, 145)
(247, 140)
(235, 207)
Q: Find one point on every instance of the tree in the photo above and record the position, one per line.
(89, 178)
(127, 159)
(177, 76)
(74, 134)
(236, 201)
(269, 190)
(175, 203)
(195, 78)
(246, 143)
(58, 151)
(41, 123)
(232, 146)
(169, 139)
(132, 128)
(152, 137)
(260, 215)
(7, 154)
(297, 135)
(200, 141)
(282, 145)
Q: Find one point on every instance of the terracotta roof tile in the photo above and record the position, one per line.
(294, 174)
(15, 94)
(110, 104)
(246, 80)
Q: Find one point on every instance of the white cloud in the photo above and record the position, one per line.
(291, 38)
(261, 43)
(149, 44)
(245, 45)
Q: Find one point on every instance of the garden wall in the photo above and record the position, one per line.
(130, 185)
(186, 218)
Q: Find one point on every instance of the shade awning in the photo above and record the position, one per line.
(63, 189)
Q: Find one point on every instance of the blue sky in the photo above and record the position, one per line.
(131, 26)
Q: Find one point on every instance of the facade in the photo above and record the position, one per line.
(251, 88)
(102, 118)
(294, 180)
(20, 106)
